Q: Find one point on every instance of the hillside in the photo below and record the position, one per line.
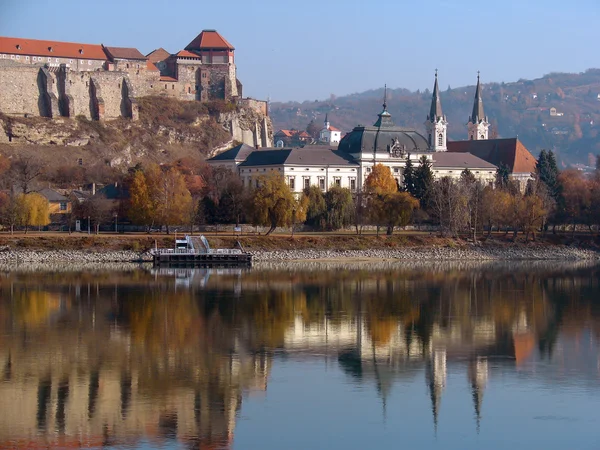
(520, 109)
(167, 130)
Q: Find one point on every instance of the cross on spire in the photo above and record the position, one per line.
(384, 97)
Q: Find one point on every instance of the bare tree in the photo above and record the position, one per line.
(24, 171)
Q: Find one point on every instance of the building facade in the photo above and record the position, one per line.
(329, 135)
(385, 143)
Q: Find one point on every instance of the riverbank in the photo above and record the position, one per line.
(42, 248)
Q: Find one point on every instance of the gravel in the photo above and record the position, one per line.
(473, 253)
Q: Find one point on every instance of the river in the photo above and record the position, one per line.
(301, 356)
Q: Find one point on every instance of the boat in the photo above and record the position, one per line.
(195, 251)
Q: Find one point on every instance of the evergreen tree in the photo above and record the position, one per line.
(423, 179)
(502, 176)
(467, 177)
(408, 181)
(541, 167)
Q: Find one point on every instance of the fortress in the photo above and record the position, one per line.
(63, 79)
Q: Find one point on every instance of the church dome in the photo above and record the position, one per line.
(384, 137)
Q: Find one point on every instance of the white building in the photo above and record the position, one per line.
(330, 134)
(350, 163)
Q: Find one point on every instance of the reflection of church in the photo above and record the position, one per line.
(349, 164)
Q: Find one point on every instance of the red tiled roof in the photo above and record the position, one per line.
(510, 152)
(332, 128)
(124, 53)
(22, 46)
(303, 134)
(160, 54)
(287, 133)
(186, 54)
(151, 66)
(167, 79)
(209, 39)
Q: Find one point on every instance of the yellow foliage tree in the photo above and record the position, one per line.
(141, 208)
(35, 210)
(380, 181)
(272, 202)
(168, 195)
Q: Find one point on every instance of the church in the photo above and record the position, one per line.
(349, 164)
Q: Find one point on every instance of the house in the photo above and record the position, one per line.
(58, 203)
(287, 138)
(330, 135)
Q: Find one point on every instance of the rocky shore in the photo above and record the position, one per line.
(473, 253)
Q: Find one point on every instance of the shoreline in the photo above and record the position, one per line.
(432, 254)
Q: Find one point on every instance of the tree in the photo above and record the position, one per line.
(423, 180)
(380, 181)
(576, 196)
(339, 208)
(24, 171)
(313, 129)
(35, 210)
(316, 208)
(472, 189)
(97, 209)
(397, 210)
(11, 207)
(171, 197)
(299, 211)
(448, 201)
(141, 206)
(502, 176)
(408, 178)
(272, 202)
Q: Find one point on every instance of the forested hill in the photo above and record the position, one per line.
(522, 108)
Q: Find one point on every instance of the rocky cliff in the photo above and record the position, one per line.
(167, 129)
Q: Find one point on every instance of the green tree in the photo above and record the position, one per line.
(340, 208)
(313, 129)
(423, 179)
(397, 210)
(502, 177)
(272, 203)
(408, 177)
(316, 208)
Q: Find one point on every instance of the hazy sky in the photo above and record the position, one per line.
(310, 49)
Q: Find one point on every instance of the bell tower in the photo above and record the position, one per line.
(436, 123)
(478, 125)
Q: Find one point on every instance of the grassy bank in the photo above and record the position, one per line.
(324, 241)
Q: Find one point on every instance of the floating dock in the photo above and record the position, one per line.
(196, 252)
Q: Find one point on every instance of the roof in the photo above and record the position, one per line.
(52, 196)
(237, 153)
(209, 39)
(436, 103)
(165, 78)
(124, 53)
(460, 160)
(186, 54)
(160, 54)
(477, 113)
(22, 46)
(299, 156)
(510, 152)
(151, 66)
(332, 128)
(288, 133)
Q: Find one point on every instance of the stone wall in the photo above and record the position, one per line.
(19, 91)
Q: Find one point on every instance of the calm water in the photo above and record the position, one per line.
(302, 357)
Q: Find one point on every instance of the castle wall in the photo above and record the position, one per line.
(19, 91)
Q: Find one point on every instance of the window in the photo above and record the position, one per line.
(127, 66)
(322, 183)
(353, 184)
(337, 181)
(12, 56)
(173, 86)
(292, 183)
(440, 139)
(368, 169)
(165, 86)
(70, 61)
(482, 137)
(80, 161)
(63, 206)
(27, 58)
(306, 182)
(189, 90)
(89, 63)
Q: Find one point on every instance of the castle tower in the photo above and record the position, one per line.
(436, 124)
(478, 125)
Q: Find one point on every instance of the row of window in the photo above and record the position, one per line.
(42, 59)
(337, 181)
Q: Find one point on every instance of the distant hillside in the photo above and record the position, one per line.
(521, 108)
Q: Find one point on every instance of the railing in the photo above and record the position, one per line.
(187, 251)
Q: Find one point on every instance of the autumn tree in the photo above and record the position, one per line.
(398, 210)
(313, 129)
(448, 203)
(271, 202)
(170, 195)
(340, 209)
(378, 185)
(97, 209)
(11, 206)
(34, 210)
(472, 190)
(576, 195)
(142, 210)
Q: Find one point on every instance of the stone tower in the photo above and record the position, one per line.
(478, 125)
(436, 124)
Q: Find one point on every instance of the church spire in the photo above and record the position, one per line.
(385, 118)
(326, 121)
(436, 124)
(478, 123)
(478, 114)
(436, 103)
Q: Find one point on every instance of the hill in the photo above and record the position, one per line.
(524, 108)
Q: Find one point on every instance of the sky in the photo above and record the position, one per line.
(310, 50)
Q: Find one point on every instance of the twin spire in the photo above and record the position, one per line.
(478, 115)
(435, 111)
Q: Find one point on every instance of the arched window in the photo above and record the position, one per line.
(440, 139)
(482, 137)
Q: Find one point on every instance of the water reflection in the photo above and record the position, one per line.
(166, 357)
